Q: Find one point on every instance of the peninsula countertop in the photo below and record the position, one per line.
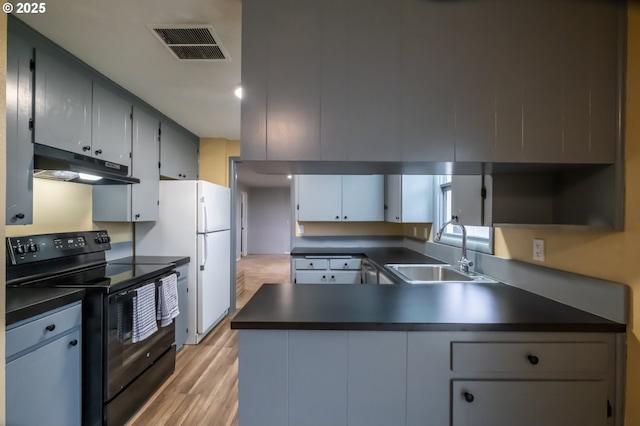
(406, 307)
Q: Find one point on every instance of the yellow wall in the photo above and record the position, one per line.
(3, 186)
(214, 159)
(613, 256)
(66, 207)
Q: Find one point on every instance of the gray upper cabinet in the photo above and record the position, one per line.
(522, 81)
(111, 128)
(19, 191)
(409, 198)
(62, 105)
(178, 153)
(136, 202)
(427, 81)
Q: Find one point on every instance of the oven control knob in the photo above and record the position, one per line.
(20, 249)
(32, 248)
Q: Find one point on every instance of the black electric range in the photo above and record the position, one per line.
(118, 374)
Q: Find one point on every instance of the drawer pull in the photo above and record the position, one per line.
(50, 327)
(346, 265)
(534, 360)
(74, 342)
(311, 264)
(468, 397)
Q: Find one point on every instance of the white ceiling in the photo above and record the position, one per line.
(112, 37)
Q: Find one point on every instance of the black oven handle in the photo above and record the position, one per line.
(131, 292)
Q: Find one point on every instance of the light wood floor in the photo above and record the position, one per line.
(203, 390)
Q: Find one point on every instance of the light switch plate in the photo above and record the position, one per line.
(538, 249)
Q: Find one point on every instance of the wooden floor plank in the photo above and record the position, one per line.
(203, 390)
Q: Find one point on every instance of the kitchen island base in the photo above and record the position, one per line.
(344, 377)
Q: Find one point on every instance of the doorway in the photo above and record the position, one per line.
(244, 202)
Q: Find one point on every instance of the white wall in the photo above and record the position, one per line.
(269, 225)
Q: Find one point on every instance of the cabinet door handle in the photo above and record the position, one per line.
(74, 342)
(337, 217)
(138, 216)
(86, 148)
(534, 360)
(20, 215)
(345, 218)
(98, 151)
(468, 397)
(50, 327)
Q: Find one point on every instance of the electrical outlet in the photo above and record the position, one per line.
(300, 229)
(415, 231)
(538, 249)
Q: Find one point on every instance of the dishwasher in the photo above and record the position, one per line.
(369, 273)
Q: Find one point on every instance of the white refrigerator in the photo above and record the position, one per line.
(194, 220)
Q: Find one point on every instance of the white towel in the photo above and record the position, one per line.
(168, 300)
(144, 320)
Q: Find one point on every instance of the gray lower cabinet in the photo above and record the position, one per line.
(293, 377)
(528, 403)
(136, 202)
(182, 322)
(178, 153)
(19, 190)
(44, 370)
(327, 270)
(63, 99)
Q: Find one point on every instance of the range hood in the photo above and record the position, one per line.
(57, 164)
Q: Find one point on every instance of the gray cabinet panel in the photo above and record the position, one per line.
(333, 81)
(146, 159)
(427, 83)
(253, 132)
(317, 378)
(178, 153)
(293, 76)
(529, 403)
(62, 106)
(111, 127)
(373, 73)
(183, 306)
(603, 32)
(377, 378)
(262, 378)
(363, 198)
(475, 73)
(542, 83)
(467, 202)
(19, 189)
(393, 198)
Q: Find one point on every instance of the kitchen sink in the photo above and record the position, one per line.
(433, 274)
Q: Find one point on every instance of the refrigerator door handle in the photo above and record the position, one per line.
(204, 215)
(203, 262)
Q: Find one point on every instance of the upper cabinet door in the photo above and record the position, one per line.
(111, 129)
(373, 88)
(62, 106)
(363, 198)
(293, 75)
(178, 154)
(19, 189)
(319, 198)
(146, 158)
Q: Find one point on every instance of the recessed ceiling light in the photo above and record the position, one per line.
(238, 92)
(288, 176)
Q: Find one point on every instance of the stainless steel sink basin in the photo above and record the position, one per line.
(431, 274)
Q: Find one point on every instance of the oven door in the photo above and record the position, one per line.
(127, 360)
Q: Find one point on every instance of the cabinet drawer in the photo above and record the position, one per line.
(311, 263)
(530, 357)
(31, 333)
(328, 277)
(345, 264)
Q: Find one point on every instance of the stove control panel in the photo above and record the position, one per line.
(34, 248)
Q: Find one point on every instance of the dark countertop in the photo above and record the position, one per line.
(25, 302)
(406, 307)
(152, 260)
(429, 307)
(379, 255)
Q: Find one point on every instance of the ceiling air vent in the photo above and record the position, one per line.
(191, 42)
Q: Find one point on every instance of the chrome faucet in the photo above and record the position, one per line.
(463, 263)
